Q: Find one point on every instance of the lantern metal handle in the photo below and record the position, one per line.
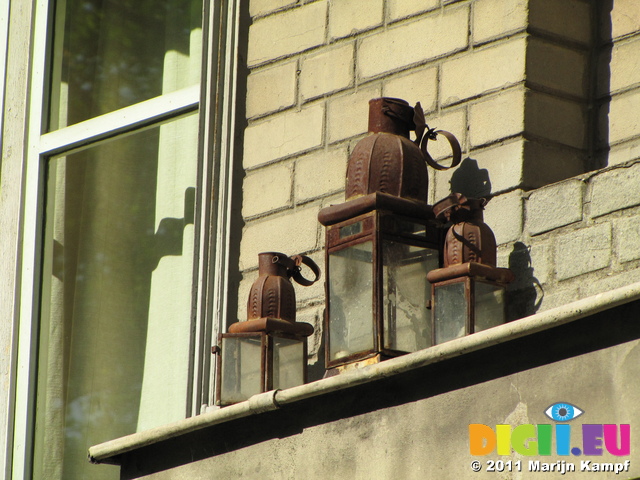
(292, 264)
(297, 276)
(422, 138)
(453, 142)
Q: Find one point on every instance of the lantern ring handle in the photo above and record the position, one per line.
(453, 142)
(297, 276)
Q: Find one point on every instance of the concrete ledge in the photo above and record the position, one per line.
(110, 452)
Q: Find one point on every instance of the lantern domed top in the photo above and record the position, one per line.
(387, 161)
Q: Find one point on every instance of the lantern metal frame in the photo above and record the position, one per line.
(376, 218)
(266, 331)
(469, 274)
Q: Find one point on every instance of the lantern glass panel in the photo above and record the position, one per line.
(241, 368)
(350, 281)
(405, 291)
(288, 362)
(450, 311)
(489, 305)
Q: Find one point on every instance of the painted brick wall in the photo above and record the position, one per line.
(535, 90)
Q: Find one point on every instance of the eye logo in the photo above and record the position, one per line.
(563, 412)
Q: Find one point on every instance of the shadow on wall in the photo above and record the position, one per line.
(523, 293)
(473, 181)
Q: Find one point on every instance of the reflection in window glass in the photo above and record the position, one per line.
(110, 54)
(116, 295)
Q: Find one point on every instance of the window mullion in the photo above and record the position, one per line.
(214, 211)
(147, 113)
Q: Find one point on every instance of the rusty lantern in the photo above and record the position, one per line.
(469, 291)
(382, 242)
(269, 350)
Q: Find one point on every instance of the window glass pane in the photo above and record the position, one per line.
(111, 54)
(351, 300)
(405, 291)
(450, 315)
(116, 327)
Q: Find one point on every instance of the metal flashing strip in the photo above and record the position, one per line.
(105, 452)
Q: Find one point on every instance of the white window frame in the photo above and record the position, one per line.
(214, 98)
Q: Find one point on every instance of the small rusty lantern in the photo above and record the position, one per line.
(269, 350)
(382, 242)
(469, 291)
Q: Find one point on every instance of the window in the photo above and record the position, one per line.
(127, 252)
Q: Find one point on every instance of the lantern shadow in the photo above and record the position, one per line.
(523, 292)
(471, 180)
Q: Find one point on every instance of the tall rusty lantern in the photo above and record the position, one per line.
(469, 291)
(269, 350)
(382, 242)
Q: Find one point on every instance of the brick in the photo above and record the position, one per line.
(549, 163)
(313, 316)
(284, 134)
(624, 66)
(570, 19)
(606, 283)
(468, 76)
(320, 173)
(409, 43)
(542, 262)
(327, 72)
(404, 8)
(266, 189)
(487, 171)
(496, 18)
(287, 33)
(504, 215)
(348, 17)
(627, 234)
(554, 206)
(348, 115)
(500, 166)
(583, 251)
(560, 296)
(615, 189)
(271, 89)
(555, 118)
(624, 122)
(558, 68)
(291, 232)
(418, 86)
(497, 117)
(263, 7)
(625, 19)
(624, 153)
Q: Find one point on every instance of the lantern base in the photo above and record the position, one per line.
(501, 276)
(365, 362)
